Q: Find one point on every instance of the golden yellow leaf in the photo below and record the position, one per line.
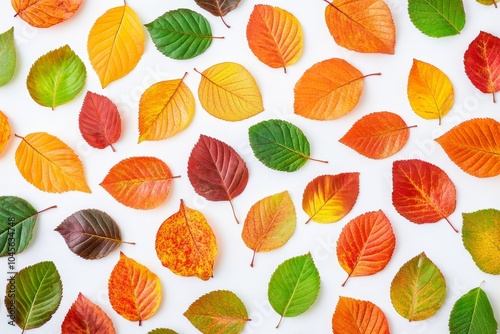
(49, 164)
(115, 44)
(4, 131)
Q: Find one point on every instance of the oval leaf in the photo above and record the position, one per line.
(353, 316)
(139, 182)
(45, 13)
(229, 92)
(347, 20)
(115, 44)
(377, 135)
(7, 56)
(328, 198)
(294, 286)
(162, 331)
(437, 18)
(4, 131)
(418, 290)
(270, 223)
(366, 244)
(85, 317)
(38, 293)
(49, 164)
(218, 312)
(134, 290)
(56, 77)
(186, 244)
(165, 109)
(218, 7)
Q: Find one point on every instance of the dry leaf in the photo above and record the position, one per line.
(45, 13)
(85, 317)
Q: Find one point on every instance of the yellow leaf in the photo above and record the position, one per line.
(430, 91)
(115, 44)
(4, 131)
(49, 164)
(166, 108)
(229, 92)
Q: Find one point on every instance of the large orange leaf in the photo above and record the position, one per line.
(274, 36)
(115, 44)
(270, 223)
(328, 90)
(45, 13)
(474, 146)
(4, 131)
(134, 290)
(186, 244)
(49, 164)
(328, 198)
(85, 317)
(362, 25)
(353, 316)
(139, 182)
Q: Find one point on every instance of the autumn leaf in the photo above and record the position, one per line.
(482, 63)
(328, 198)
(45, 13)
(430, 91)
(353, 316)
(229, 92)
(85, 317)
(377, 135)
(8, 57)
(4, 131)
(270, 223)
(49, 164)
(216, 171)
(366, 244)
(488, 2)
(419, 289)
(165, 109)
(218, 7)
(115, 44)
(56, 77)
(437, 18)
(218, 312)
(422, 192)
(328, 90)
(275, 36)
(162, 331)
(139, 182)
(99, 121)
(185, 243)
(134, 290)
(347, 20)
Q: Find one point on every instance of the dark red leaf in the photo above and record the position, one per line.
(85, 317)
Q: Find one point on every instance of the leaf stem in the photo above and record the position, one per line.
(234, 212)
(348, 276)
(112, 147)
(50, 207)
(253, 259)
(317, 160)
(15, 134)
(371, 74)
(281, 319)
(222, 18)
(494, 98)
(453, 227)
(494, 3)
(412, 126)
(128, 242)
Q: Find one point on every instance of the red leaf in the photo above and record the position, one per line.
(422, 192)
(85, 317)
(99, 121)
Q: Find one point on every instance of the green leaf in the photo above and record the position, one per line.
(181, 33)
(481, 238)
(56, 77)
(218, 312)
(35, 292)
(7, 56)
(162, 331)
(294, 286)
(437, 18)
(418, 290)
(472, 314)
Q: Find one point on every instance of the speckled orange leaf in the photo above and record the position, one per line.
(186, 244)
(45, 13)
(134, 290)
(85, 317)
(362, 25)
(4, 131)
(353, 316)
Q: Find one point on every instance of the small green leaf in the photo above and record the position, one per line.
(162, 331)
(472, 313)
(7, 56)
(181, 33)
(35, 292)
(56, 77)
(437, 18)
(294, 286)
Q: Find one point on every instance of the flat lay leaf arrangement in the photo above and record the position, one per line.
(322, 208)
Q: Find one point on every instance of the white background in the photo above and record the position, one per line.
(232, 271)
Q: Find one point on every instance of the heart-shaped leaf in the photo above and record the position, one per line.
(7, 56)
(358, 316)
(45, 13)
(218, 7)
(4, 131)
(437, 18)
(85, 317)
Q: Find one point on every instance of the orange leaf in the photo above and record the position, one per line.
(361, 25)
(4, 131)
(134, 290)
(274, 36)
(139, 182)
(328, 198)
(45, 13)
(354, 316)
(49, 164)
(377, 135)
(474, 146)
(186, 244)
(85, 317)
(366, 244)
(328, 90)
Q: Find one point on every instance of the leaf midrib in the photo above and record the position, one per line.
(17, 224)
(269, 226)
(295, 288)
(442, 15)
(33, 300)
